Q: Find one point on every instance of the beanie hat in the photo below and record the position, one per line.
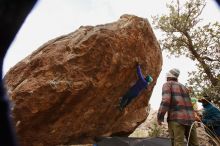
(149, 79)
(205, 98)
(173, 73)
(193, 100)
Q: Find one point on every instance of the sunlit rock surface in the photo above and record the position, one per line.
(67, 91)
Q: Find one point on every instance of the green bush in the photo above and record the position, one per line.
(155, 131)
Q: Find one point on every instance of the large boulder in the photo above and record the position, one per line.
(67, 91)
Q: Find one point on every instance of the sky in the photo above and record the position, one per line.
(52, 18)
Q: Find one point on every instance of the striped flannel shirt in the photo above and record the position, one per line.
(176, 101)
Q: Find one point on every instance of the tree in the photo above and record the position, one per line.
(184, 35)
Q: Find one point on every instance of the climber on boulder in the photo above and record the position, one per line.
(141, 83)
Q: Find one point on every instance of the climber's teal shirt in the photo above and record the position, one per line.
(211, 115)
(211, 118)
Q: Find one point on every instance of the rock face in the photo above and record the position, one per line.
(67, 91)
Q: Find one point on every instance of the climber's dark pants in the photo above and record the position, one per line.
(127, 98)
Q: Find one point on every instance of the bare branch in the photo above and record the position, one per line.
(209, 59)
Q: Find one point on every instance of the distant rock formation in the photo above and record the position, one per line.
(150, 125)
(67, 91)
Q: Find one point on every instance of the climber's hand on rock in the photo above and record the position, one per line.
(136, 61)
